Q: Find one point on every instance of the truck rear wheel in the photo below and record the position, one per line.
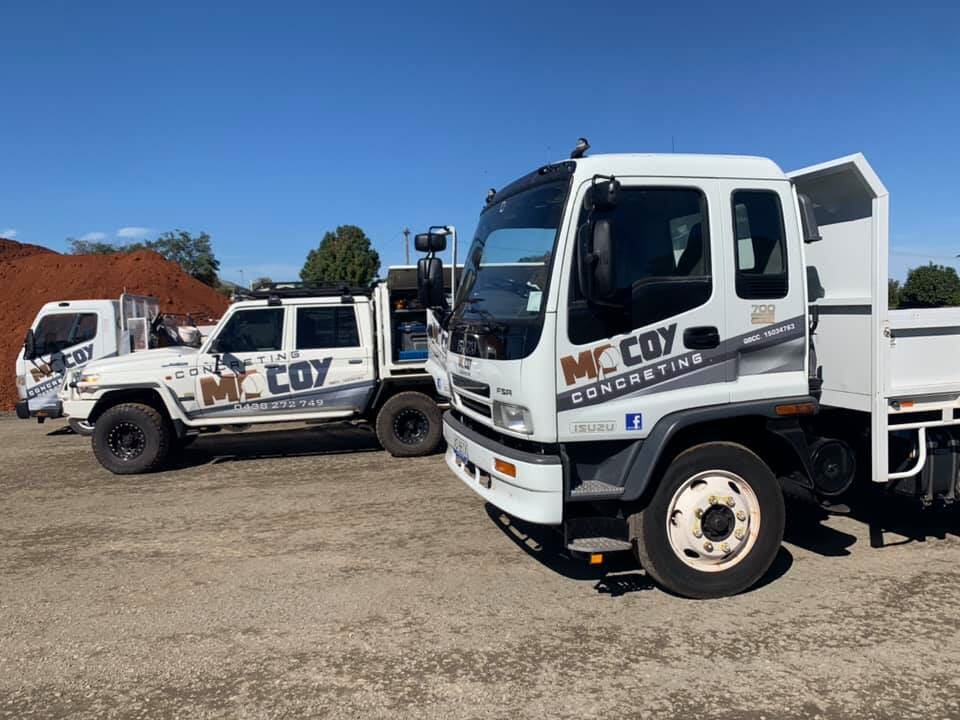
(409, 425)
(714, 525)
(131, 438)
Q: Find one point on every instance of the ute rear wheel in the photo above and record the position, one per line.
(409, 425)
(714, 525)
(131, 438)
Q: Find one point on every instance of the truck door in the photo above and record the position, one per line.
(233, 369)
(658, 347)
(337, 341)
(64, 340)
(765, 304)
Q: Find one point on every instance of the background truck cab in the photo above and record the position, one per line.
(68, 334)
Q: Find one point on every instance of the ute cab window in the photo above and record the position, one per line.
(255, 330)
(58, 332)
(327, 327)
(662, 263)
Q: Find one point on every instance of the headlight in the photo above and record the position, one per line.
(512, 417)
(88, 379)
(21, 381)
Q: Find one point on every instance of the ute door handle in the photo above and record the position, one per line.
(356, 361)
(704, 337)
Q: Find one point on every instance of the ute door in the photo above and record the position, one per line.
(65, 340)
(335, 339)
(763, 269)
(658, 347)
(233, 367)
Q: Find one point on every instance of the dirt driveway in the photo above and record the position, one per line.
(310, 574)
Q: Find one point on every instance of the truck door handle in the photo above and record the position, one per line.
(704, 337)
(356, 361)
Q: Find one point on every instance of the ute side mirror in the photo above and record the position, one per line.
(430, 242)
(30, 345)
(430, 282)
(808, 220)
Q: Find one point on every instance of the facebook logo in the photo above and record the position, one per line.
(634, 421)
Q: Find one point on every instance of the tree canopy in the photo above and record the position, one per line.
(930, 286)
(193, 253)
(343, 255)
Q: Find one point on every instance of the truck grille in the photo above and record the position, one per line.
(471, 386)
(477, 407)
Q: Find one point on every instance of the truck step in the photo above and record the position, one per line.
(590, 488)
(598, 545)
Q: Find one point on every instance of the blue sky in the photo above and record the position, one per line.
(266, 124)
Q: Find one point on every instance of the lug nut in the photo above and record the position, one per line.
(738, 534)
(730, 502)
(697, 534)
(698, 513)
(708, 546)
(724, 548)
(741, 515)
(712, 500)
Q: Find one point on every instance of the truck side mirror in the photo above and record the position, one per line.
(30, 345)
(604, 279)
(430, 242)
(596, 245)
(430, 281)
(808, 220)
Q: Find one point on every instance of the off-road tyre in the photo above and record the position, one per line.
(131, 438)
(409, 425)
(683, 550)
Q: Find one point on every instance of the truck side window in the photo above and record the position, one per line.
(256, 330)
(62, 330)
(326, 327)
(662, 263)
(760, 245)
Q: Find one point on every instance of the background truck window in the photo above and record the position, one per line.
(62, 330)
(760, 245)
(662, 263)
(258, 330)
(326, 327)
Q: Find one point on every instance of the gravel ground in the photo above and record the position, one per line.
(308, 573)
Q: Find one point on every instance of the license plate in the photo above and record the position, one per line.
(460, 450)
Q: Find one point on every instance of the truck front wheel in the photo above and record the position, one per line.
(409, 425)
(131, 438)
(714, 525)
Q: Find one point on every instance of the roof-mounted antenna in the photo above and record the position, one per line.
(581, 149)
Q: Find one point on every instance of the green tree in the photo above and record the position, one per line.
(346, 255)
(931, 286)
(193, 253)
(92, 247)
(893, 293)
(260, 282)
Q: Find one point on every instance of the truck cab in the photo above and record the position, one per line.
(628, 357)
(288, 353)
(65, 335)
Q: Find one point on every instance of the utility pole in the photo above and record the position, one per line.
(406, 246)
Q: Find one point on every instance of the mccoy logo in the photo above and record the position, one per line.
(250, 384)
(604, 360)
(62, 361)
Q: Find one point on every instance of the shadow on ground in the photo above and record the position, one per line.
(226, 446)
(621, 574)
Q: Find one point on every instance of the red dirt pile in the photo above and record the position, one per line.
(31, 276)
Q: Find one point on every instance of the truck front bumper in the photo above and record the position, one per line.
(78, 409)
(48, 409)
(534, 493)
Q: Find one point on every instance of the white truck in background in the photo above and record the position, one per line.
(648, 351)
(290, 352)
(65, 336)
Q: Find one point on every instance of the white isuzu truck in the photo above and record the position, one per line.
(647, 351)
(290, 353)
(65, 336)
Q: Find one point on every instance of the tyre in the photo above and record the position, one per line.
(131, 438)
(80, 427)
(409, 425)
(714, 524)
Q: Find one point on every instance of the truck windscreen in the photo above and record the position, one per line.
(504, 285)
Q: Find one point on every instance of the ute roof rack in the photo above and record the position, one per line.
(279, 290)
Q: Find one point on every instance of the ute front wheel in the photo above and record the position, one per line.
(714, 525)
(409, 425)
(131, 438)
